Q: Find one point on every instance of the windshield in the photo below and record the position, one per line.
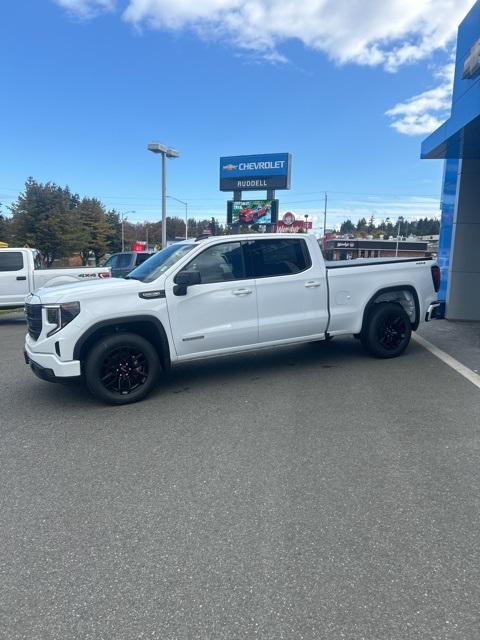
(149, 270)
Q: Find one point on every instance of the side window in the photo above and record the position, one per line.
(281, 257)
(11, 261)
(220, 263)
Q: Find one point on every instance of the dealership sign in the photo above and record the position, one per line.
(471, 68)
(253, 173)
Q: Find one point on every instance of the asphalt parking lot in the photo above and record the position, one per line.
(311, 492)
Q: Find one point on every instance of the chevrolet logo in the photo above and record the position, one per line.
(471, 68)
(230, 167)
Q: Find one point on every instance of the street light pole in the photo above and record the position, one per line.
(164, 201)
(185, 204)
(123, 232)
(325, 216)
(166, 152)
(398, 234)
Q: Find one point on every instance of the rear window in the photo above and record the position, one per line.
(119, 261)
(141, 257)
(283, 257)
(11, 261)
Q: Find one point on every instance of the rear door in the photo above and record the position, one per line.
(291, 289)
(220, 313)
(13, 278)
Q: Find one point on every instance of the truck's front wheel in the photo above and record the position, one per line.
(121, 368)
(387, 330)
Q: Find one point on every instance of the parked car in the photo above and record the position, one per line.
(19, 276)
(220, 296)
(122, 263)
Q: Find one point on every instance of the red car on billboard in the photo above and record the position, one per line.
(250, 216)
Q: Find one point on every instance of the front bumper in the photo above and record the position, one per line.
(48, 367)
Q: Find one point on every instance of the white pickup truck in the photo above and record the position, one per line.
(221, 296)
(19, 277)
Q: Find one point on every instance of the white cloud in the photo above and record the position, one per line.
(423, 113)
(367, 32)
(87, 8)
(390, 33)
(387, 33)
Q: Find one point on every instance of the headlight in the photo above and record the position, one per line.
(59, 315)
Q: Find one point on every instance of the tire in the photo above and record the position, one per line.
(387, 331)
(121, 368)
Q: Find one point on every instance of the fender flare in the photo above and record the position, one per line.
(119, 324)
(407, 287)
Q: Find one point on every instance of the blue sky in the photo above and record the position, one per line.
(86, 84)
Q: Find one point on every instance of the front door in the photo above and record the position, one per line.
(218, 314)
(14, 285)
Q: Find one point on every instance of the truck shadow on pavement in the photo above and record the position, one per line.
(263, 367)
(202, 380)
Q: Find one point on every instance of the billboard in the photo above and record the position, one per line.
(289, 224)
(250, 212)
(255, 173)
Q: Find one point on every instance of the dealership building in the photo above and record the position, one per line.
(457, 142)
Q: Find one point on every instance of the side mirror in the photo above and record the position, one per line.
(185, 279)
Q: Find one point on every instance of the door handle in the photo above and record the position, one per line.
(242, 292)
(312, 283)
(21, 277)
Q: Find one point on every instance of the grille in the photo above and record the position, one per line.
(34, 319)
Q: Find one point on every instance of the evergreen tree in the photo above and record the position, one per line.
(362, 225)
(5, 224)
(44, 217)
(95, 229)
(114, 234)
(347, 227)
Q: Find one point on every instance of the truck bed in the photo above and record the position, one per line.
(363, 262)
(352, 282)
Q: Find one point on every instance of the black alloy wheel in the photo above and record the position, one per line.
(387, 330)
(124, 370)
(392, 331)
(121, 368)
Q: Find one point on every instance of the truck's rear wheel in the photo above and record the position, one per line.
(387, 330)
(121, 368)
